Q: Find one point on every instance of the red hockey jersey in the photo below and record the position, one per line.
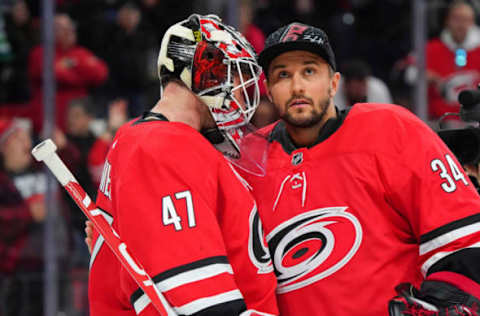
(184, 214)
(441, 61)
(380, 201)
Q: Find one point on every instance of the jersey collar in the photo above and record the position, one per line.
(148, 116)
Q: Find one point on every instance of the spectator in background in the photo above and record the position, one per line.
(22, 36)
(129, 55)
(87, 154)
(357, 85)
(453, 59)
(266, 112)
(78, 141)
(251, 32)
(117, 116)
(158, 15)
(76, 70)
(22, 211)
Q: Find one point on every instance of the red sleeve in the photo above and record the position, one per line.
(84, 68)
(96, 159)
(92, 69)
(429, 187)
(166, 211)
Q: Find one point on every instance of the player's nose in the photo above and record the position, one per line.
(297, 84)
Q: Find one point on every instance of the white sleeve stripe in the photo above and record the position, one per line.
(182, 279)
(95, 250)
(449, 237)
(251, 312)
(100, 239)
(440, 255)
(194, 275)
(206, 302)
(194, 306)
(141, 303)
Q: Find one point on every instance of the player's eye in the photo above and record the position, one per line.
(282, 74)
(309, 71)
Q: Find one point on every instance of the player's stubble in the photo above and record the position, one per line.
(317, 113)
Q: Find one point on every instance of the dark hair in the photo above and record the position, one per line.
(355, 69)
(85, 103)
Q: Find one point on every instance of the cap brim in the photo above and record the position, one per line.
(268, 54)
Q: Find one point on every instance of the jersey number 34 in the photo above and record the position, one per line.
(450, 176)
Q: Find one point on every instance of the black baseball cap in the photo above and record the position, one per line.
(296, 36)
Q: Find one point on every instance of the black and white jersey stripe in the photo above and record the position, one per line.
(189, 273)
(442, 236)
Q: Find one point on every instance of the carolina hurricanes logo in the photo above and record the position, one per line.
(312, 246)
(294, 32)
(257, 249)
(460, 81)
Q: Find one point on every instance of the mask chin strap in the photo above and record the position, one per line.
(222, 142)
(213, 135)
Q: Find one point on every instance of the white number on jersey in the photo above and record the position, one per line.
(170, 214)
(449, 185)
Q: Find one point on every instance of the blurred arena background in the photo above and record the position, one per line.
(75, 70)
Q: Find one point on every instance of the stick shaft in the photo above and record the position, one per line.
(119, 248)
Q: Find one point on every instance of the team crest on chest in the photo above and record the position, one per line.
(313, 245)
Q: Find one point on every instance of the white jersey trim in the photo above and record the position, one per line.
(206, 302)
(447, 238)
(100, 240)
(194, 306)
(194, 275)
(440, 255)
(140, 304)
(183, 278)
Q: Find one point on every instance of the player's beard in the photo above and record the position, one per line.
(313, 119)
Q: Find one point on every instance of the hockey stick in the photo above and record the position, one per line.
(45, 151)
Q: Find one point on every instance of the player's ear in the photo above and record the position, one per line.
(334, 81)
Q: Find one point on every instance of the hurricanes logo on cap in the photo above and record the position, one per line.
(294, 32)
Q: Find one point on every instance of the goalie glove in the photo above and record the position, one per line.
(433, 298)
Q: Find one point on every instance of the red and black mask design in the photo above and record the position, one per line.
(209, 70)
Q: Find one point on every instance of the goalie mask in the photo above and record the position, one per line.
(217, 63)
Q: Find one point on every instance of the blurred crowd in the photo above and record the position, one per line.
(105, 70)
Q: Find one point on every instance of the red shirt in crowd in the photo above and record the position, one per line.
(76, 70)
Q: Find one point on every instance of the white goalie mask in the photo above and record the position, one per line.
(217, 63)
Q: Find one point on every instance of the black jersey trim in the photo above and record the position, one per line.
(101, 209)
(177, 270)
(449, 227)
(228, 308)
(280, 134)
(148, 116)
(464, 261)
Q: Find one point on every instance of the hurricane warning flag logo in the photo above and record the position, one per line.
(312, 246)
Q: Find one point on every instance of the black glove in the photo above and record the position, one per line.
(433, 298)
